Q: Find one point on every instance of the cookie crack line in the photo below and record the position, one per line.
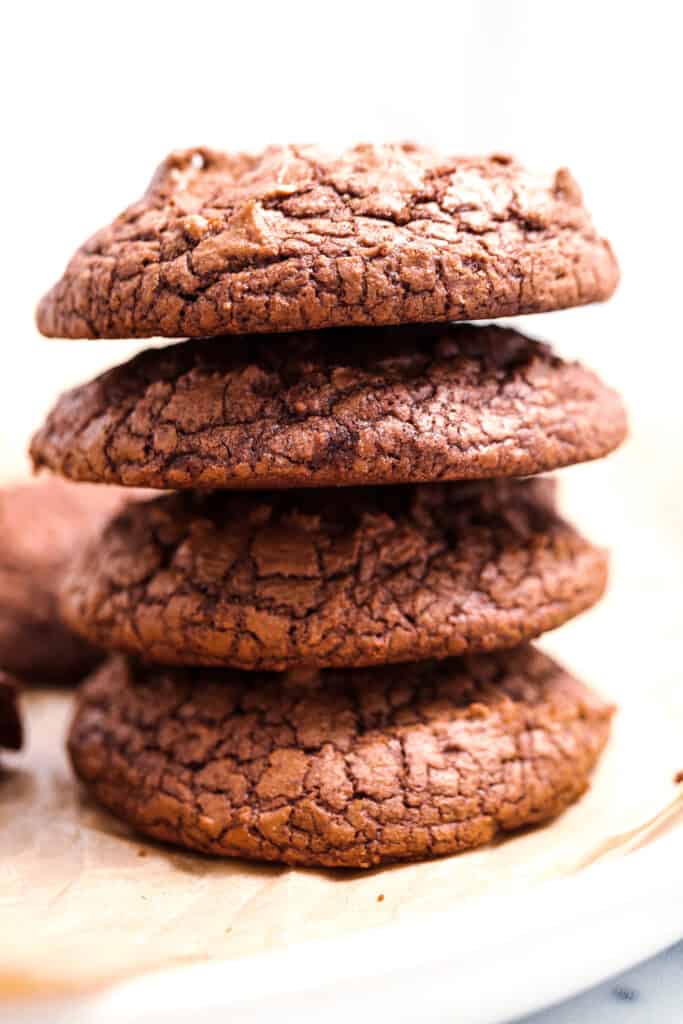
(357, 769)
(375, 235)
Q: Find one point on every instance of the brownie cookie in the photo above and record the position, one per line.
(343, 769)
(41, 524)
(293, 239)
(382, 405)
(342, 578)
(11, 732)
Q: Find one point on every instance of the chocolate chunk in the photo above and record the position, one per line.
(11, 732)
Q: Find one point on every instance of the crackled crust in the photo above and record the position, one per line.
(342, 769)
(361, 406)
(11, 732)
(294, 239)
(332, 577)
(41, 524)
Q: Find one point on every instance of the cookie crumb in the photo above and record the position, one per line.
(678, 777)
(623, 992)
(380, 898)
(11, 729)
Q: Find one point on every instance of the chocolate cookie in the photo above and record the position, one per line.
(332, 577)
(382, 405)
(11, 732)
(343, 769)
(293, 239)
(40, 527)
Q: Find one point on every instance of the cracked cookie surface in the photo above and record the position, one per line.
(340, 769)
(345, 577)
(11, 731)
(41, 524)
(294, 239)
(362, 406)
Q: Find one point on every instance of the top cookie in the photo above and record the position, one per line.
(294, 239)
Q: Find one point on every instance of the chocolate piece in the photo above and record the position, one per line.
(11, 732)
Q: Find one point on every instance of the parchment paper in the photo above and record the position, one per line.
(83, 903)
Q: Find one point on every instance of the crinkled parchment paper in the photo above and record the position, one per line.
(82, 902)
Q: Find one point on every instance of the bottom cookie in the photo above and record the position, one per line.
(338, 768)
(11, 732)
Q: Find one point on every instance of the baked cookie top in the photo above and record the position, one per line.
(294, 238)
(41, 525)
(11, 731)
(360, 576)
(361, 406)
(346, 769)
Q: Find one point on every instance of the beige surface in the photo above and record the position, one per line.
(81, 902)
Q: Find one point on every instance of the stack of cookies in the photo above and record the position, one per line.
(322, 634)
